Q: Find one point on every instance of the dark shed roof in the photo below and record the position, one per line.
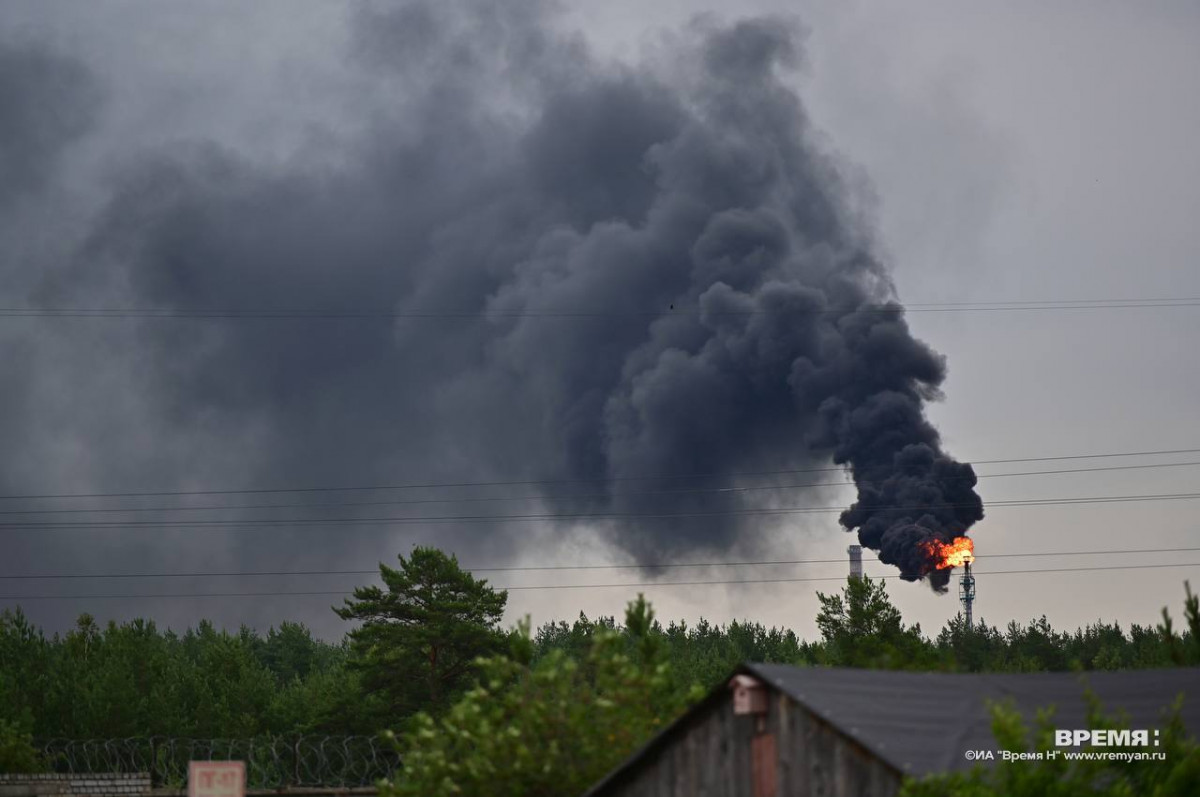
(925, 722)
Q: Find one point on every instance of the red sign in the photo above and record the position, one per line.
(216, 779)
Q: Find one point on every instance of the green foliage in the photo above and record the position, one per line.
(134, 680)
(291, 653)
(705, 654)
(1178, 775)
(550, 729)
(17, 753)
(419, 640)
(862, 628)
(1183, 651)
(1037, 647)
(702, 654)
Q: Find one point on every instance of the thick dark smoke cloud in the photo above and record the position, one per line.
(47, 101)
(728, 286)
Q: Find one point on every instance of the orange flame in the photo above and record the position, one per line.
(959, 552)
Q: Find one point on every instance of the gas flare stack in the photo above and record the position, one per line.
(966, 594)
(855, 552)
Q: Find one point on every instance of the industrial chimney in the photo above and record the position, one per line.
(855, 552)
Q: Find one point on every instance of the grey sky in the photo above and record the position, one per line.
(1027, 152)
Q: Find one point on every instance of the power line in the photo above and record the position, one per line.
(600, 480)
(1024, 302)
(633, 585)
(881, 308)
(544, 517)
(884, 308)
(542, 568)
(568, 496)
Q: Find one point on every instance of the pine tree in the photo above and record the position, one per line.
(420, 637)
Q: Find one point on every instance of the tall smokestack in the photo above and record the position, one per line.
(855, 552)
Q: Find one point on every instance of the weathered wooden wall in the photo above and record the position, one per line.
(816, 759)
(711, 756)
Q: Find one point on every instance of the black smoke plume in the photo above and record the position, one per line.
(601, 272)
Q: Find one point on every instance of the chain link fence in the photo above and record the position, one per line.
(271, 762)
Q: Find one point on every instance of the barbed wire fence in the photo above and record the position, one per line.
(271, 762)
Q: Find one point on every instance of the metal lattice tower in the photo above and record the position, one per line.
(966, 594)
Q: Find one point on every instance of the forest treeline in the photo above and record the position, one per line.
(135, 679)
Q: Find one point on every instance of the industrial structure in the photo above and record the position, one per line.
(855, 552)
(966, 582)
(966, 594)
(772, 730)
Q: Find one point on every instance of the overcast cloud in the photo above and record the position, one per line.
(504, 158)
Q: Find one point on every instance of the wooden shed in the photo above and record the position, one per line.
(778, 731)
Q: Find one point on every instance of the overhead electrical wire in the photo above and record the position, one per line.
(552, 517)
(504, 518)
(546, 568)
(881, 308)
(629, 585)
(551, 497)
(509, 483)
